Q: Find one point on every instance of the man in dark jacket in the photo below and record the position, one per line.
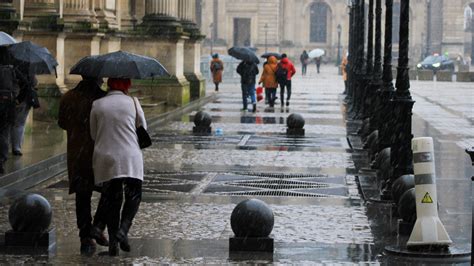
(290, 71)
(248, 72)
(74, 111)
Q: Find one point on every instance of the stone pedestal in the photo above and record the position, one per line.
(444, 76)
(170, 52)
(425, 75)
(412, 73)
(78, 45)
(465, 77)
(197, 86)
(262, 244)
(41, 14)
(43, 241)
(8, 21)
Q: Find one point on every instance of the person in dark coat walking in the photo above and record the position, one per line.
(290, 70)
(317, 60)
(74, 112)
(248, 72)
(304, 62)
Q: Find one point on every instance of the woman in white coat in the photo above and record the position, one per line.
(117, 159)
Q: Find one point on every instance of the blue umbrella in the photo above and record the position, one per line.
(244, 54)
(119, 65)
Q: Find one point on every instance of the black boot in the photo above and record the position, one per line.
(254, 108)
(123, 240)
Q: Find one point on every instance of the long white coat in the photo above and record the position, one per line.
(116, 150)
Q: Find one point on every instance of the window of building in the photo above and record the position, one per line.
(318, 20)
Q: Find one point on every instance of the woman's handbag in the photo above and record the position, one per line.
(144, 139)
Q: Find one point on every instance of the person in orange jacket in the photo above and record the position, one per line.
(285, 71)
(268, 79)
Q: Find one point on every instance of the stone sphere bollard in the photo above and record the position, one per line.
(402, 184)
(407, 206)
(295, 121)
(30, 213)
(381, 156)
(202, 119)
(252, 218)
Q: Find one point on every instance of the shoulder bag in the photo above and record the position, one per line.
(144, 139)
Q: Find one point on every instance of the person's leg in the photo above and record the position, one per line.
(345, 87)
(244, 95)
(99, 223)
(282, 93)
(7, 112)
(133, 197)
(288, 92)
(272, 96)
(267, 95)
(253, 97)
(84, 219)
(217, 85)
(18, 129)
(318, 65)
(113, 193)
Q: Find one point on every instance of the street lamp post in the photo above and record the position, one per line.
(338, 60)
(266, 31)
(211, 36)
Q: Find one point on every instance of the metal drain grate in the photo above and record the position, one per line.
(275, 193)
(278, 184)
(281, 175)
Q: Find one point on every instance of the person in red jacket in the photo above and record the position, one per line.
(286, 68)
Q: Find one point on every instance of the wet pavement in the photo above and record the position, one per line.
(193, 183)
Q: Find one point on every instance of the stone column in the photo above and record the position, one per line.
(41, 14)
(107, 11)
(161, 17)
(128, 15)
(77, 14)
(187, 16)
(8, 21)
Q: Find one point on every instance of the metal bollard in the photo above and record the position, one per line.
(428, 229)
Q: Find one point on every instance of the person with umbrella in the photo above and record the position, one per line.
(74, 111)
(248, 71)
(114, 120)
(316, 55)
(217, 67)
(304, 62)
(285, 71)
(9, 90)
(268, 79)
(27, 99)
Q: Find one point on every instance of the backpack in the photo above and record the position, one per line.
(281, 74)
(216, 66)
(8, 86)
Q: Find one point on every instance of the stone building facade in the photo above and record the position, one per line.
(72, 29)
(292, 26)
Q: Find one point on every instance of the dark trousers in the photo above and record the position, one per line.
(7, 117)
(303, 69)
(113, 191)
(284, 85)
(271, 94)
(83, 213)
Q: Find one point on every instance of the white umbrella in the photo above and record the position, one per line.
(5, 38)
(316, 53)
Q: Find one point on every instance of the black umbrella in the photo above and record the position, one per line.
(31, 57)
(243, 53)
(119, 65)
(267, 55)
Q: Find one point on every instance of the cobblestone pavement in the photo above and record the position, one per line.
(193, 183)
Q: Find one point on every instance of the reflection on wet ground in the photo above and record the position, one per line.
(192, 183)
